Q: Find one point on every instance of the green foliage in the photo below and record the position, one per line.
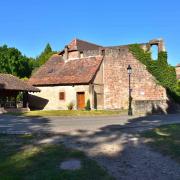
(44, 56)
(13, 62)
(178, 87)
(21, 158)
(160, 69)
(88, 105)
(162, 59)
(70, 106)
(63, 113)
(19, 97)
(165, 139)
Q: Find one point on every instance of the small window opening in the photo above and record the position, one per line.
(50, 71)
(81, 55)
(154, 52)
(103, 52)
(62, 96)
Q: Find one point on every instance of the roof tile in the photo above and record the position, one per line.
(10, 82)
(57, 71)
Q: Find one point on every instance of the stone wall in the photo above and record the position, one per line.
(98, 89)
(178, 72)
(149, 106)
(13, 110)
(74, 55)
(144, 85)
(48, 98)
(2, 110)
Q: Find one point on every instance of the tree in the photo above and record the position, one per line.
(13, 62)
(44, 56)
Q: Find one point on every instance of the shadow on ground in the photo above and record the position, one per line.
(118, 148)
(20, 124)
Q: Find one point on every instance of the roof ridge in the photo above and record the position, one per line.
(77, 39)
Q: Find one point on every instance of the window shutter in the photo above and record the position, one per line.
(62, 96)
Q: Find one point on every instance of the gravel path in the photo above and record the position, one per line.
(125, 156)
(141, 163)
(114, 142)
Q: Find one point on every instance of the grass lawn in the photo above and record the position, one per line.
(22, 159)
(72, 113)
(166, 139)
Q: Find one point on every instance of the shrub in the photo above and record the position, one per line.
(88, 105)
(70, 106)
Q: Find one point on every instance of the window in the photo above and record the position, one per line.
(81, 55)
(62, 96)
(154, 52)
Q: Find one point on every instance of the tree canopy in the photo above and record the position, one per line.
(13, 62)
(44, 56)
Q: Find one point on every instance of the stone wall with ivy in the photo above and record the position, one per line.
(164, 73)
(144, 86)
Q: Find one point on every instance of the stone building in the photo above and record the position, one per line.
(178, 71)
(84, 71)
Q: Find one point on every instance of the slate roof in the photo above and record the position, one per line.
(10, 82)
(58, 72)
(81, 45)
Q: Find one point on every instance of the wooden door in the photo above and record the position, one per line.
(80, 100)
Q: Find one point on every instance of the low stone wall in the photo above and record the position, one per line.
(150, 106)
(2, 110)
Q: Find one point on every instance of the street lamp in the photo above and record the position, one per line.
(129, 70)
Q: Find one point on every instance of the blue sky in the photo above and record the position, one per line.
(30, 25)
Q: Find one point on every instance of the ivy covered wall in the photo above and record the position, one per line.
(164, 73)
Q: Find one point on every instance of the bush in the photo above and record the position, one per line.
(88, 105)
(70, 106)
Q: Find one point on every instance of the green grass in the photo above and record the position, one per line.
(165, 139)
(22, 159)
(72, 113)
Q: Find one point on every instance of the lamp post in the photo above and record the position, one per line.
(129, 70)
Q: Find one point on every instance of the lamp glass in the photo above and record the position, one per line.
(129, 69)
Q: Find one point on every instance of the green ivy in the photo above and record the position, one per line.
(88, 105)
(160, 69)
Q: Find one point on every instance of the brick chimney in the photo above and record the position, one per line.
(65, 53)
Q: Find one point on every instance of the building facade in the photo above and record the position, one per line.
(84, 71)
